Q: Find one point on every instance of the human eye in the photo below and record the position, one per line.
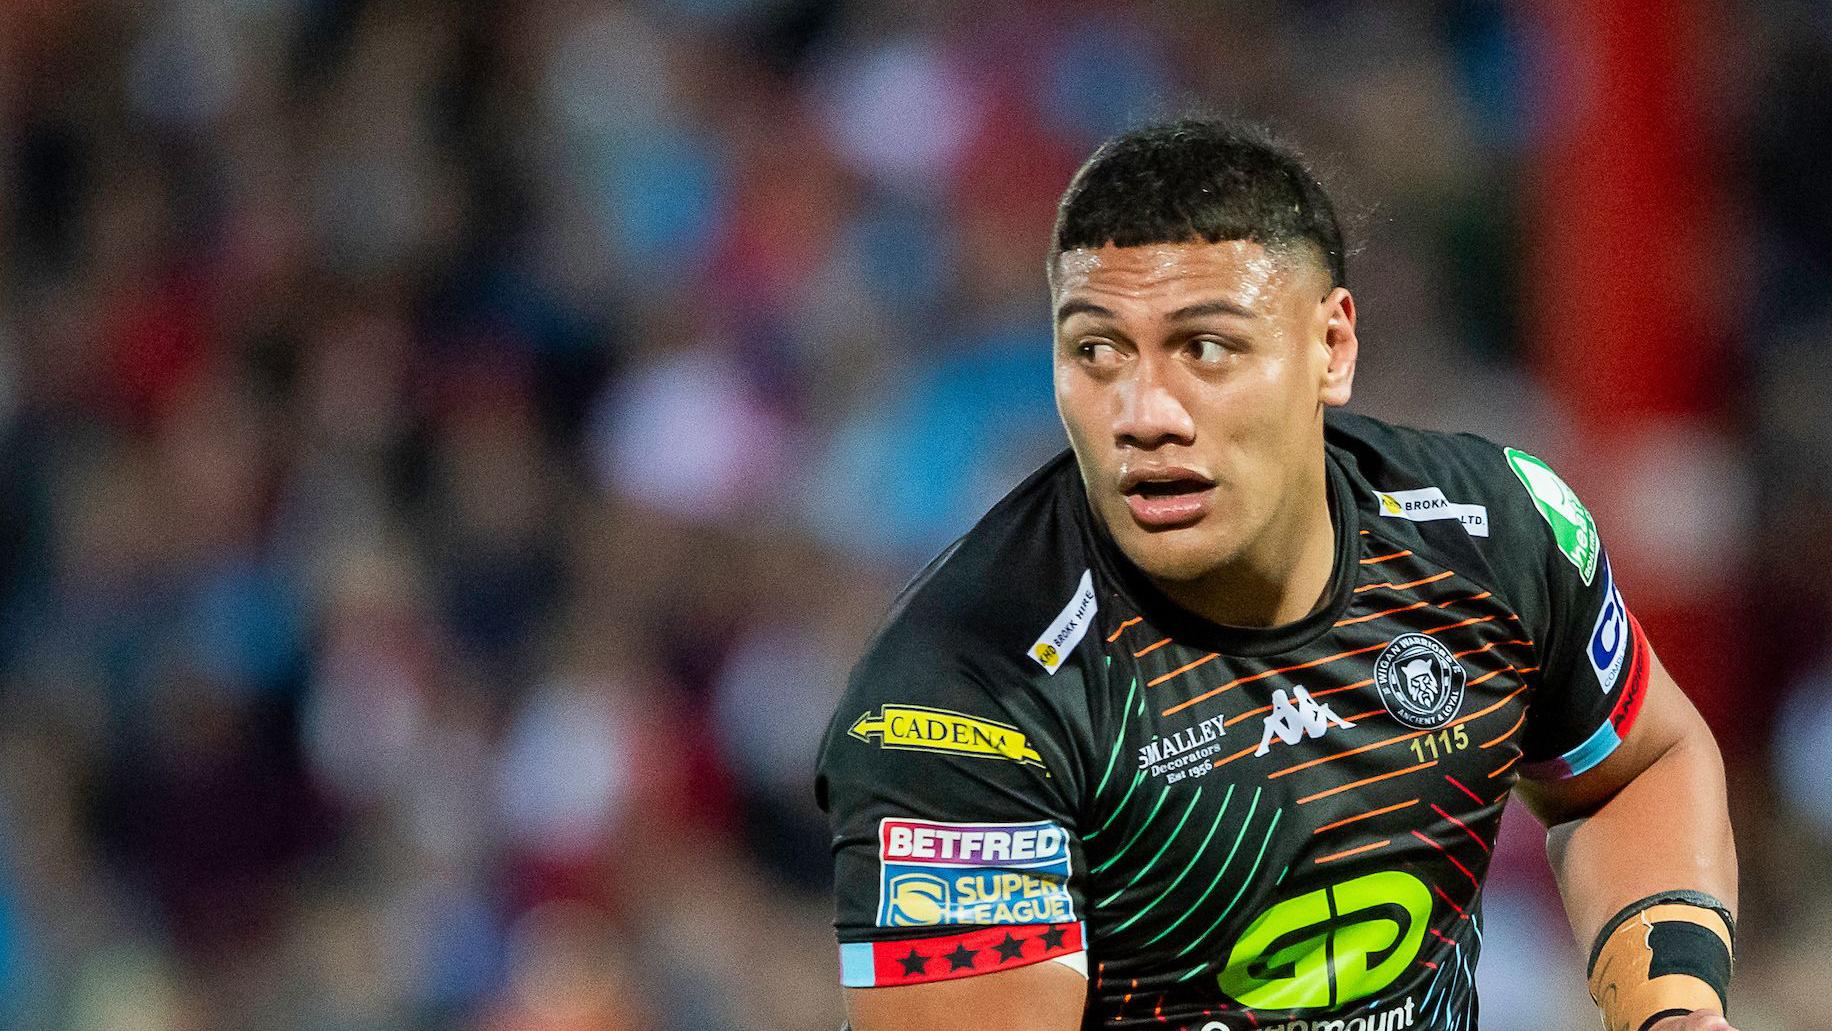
(1098, 352)
(1208, 350)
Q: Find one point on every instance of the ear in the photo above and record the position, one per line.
(1337, 309)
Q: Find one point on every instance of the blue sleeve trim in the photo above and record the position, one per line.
(1596, 748)
(1593, 751)
(856, 965)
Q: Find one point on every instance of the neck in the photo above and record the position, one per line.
(1281, 578)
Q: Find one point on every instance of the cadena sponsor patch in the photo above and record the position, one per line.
(933, 874)
(919, 728)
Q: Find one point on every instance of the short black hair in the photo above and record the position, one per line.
(1198, 179)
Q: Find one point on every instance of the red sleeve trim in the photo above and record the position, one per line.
(943, 958)
(1635, 682)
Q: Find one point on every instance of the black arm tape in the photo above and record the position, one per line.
(1682, 948)
(1650, 1022)
(1633, 909)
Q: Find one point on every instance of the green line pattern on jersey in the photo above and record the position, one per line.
(1118, 809)
(1119, 743)
(1244, 884)
(1138, 832)
(1169, 840)
(1195, 857)
(1252, 807)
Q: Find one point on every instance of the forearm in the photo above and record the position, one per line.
(1667, 829)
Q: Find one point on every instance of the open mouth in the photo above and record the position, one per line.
(1167, 498)
(1167, 488)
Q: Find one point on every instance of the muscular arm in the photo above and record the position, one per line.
(1039, 997)
(1652, 817)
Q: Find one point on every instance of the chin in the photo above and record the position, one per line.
(1175, 556)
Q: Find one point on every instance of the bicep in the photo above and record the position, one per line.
(1651, 818)
(1667, 719)
(1039, 997)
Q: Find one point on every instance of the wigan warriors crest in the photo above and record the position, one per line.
(1420, 681)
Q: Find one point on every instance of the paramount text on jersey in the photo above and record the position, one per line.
(1394, 1019)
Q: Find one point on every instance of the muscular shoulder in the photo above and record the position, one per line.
(986, 606)
(1461, 495)
(1399, 458)
(978, 659)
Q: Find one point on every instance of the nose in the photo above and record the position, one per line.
(1150, 413)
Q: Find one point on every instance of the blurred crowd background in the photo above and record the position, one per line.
(451, 452)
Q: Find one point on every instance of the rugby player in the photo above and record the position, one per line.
(1209, 723)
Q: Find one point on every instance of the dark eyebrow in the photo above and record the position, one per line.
(1071, 308)
(1189, 311)
(1216, 307)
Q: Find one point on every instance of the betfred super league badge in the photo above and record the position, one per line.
(1420, 681)
(972, 873)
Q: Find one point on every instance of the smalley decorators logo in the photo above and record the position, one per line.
(1420, 681)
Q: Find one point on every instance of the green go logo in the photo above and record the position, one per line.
(1331, 946)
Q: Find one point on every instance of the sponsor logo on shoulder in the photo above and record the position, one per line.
(1558, 504)
(1292, 723)
(1180, 754)
(933, 874)
(1609, 638)
(1069, 627)
(1420, 681)
(1428, 503)
(919, 728)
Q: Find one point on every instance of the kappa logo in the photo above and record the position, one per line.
(1292, 723)
(1428, 503)
(918, 728)
(1068, 628)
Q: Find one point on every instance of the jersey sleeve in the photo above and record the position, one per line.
(951, 789)
(1594, 657)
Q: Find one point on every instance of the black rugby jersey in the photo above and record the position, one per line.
(1041, 757)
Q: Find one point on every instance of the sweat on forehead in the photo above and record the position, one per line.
(1230, 262)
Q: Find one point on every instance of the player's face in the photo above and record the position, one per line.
(1192, 380)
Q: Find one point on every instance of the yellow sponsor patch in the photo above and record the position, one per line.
(1069, 627)
(922, 729)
